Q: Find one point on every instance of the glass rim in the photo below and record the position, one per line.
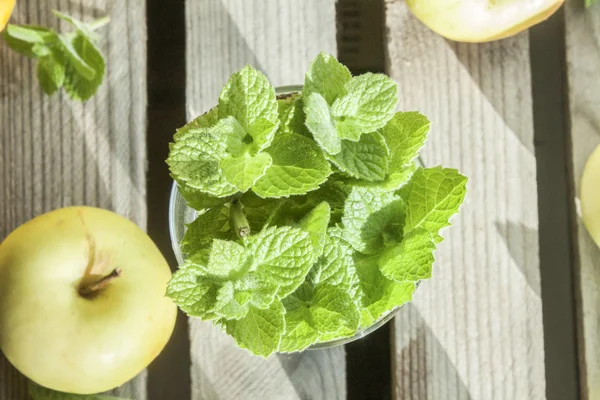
(175, 244)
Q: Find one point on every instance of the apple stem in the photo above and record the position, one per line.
(87, 291)
(239, 220)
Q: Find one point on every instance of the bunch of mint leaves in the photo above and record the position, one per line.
(71, 61)
(314, 219)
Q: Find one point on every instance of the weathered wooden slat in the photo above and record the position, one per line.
(583, 62)
(475, 330)
(56, 152)
(279, 37)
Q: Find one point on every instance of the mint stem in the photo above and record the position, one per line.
(238, 219)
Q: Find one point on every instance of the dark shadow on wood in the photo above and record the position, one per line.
(555, 205)
(361, 47)
(169, 374)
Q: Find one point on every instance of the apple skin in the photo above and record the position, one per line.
(62, 340)
(480, 21)
(6, 9)
(590, 195)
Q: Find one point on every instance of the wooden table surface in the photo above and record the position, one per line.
(512, 311)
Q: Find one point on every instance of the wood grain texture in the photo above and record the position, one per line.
(583, 66)
(475, 330)
(279, 37)
(55, 152)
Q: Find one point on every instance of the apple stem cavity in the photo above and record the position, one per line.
(95, 287)
(239, 220)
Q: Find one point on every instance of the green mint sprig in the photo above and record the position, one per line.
(314, 219)
(71, 60)
(38, 392)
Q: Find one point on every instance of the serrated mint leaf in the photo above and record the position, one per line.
(391, 183)
(199, 200)
(194, 161)
(321, 124)
(38, 392)
(195, 295)
(366, 159)
(317, 314)
(366, 104)
(405, 134)
(432, 197)
(213, 224)
(298, 167)
(327, 77)
(248, 96)
(50, 73)
(29, 34)
(372, 219)
(85, 67)
(206, 120)
(260, 331)
(283, 255)
(411, 260)
(291, 114)
(245, 170)
(379, 295)
(230, 131)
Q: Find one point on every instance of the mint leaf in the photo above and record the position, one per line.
(372, 219)
(283, 255)
(206, 120)
(291, 114)
(213, 224)
(432, 196)
(248, 96)
(85, 68)
(315, 223)
(327, 77)
(259, 211)
(51, 73)
(391, 183)
(193, 294)
(411, 260)
(366, 104)
(226, 258)
(38, 392)
(366, 159)
(334, 192)
(194, 161)
(379, 295)
(336, 265)
(244, 171)
(199, 200)
(405, 134)
(317, 314)
(25, 39)
(298, 167)
(262, 133)
(321, 124)
(260, 331)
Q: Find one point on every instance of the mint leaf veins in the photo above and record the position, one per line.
(314, 218)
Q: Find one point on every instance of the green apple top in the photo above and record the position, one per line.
(481, 20)
(82, 300)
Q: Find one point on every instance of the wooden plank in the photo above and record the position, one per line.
(56, 152)
(475, 330)
(279, 37)
(583, 62)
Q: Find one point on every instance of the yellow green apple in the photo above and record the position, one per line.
(481, 20)
(82, 300)
(590, 195)
(6, 9)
